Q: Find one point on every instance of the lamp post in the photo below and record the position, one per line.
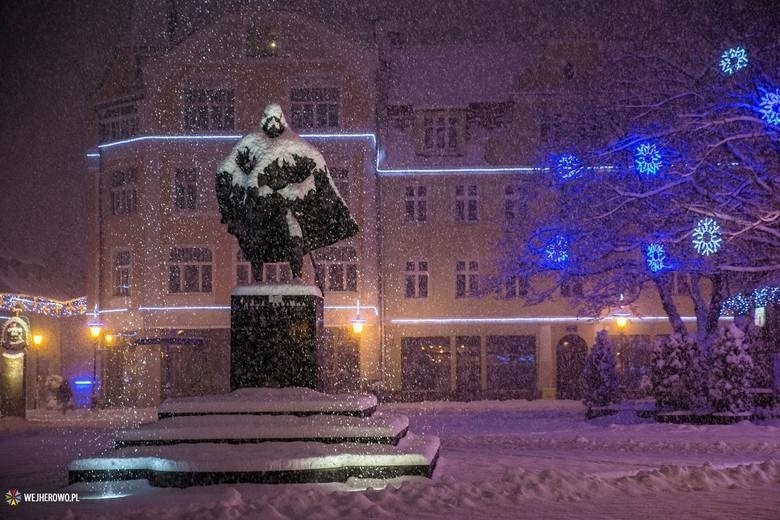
(37, 340)
(95, 328)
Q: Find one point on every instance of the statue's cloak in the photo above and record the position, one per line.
(270, 190)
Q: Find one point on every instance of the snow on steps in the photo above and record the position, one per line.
(265, 435)
(183, 465)
(271, 401)
(237, 429)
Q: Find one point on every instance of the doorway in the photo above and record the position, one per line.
(570, 356)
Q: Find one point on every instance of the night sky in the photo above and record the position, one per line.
(54, 55)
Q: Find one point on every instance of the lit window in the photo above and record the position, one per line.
(512, 203)
(314, 108)
(118, 121)
(340, 178)
(185, 188)
(415, 204)
(466, 279)
(121, 274)
(209, 109)
(190, 270)
(515, 287)
(337, 268)
(442, 132)
(123, 192)
(466, 203)
(571, 288)
(416, 279)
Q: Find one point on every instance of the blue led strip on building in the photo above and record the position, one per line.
(385, 172)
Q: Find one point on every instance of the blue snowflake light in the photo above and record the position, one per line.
(647, 159)
(567, 166)
(655, 254)
(555, 254)
(737, 305)
(769, 106)
(732, 60)
(706, 237)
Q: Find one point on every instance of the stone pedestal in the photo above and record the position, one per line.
(274, 336)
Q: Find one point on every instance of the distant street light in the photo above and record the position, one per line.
(357, 321)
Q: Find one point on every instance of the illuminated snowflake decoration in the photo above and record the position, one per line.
(770, 107)
(655, 254)
(706, 237)
(732, 60)
(567, 166)
(647, 159)
(736, 305)
(556, 253)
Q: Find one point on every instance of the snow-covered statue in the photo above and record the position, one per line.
(277, 197)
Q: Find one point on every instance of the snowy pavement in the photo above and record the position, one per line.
(508, 459)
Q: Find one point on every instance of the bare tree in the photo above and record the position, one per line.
(687, 182)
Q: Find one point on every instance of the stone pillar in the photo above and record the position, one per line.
(546, 363)
(12, 391)
(275, 335)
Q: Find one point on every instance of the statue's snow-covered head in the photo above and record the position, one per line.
(273, 122)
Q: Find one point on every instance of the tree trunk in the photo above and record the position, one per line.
(716, 304)
(664, 285)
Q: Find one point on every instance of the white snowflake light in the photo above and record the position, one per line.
(770, 107)
(706, 237)
(647, 159)
(732, 60)
(655, 255)
(568, 166)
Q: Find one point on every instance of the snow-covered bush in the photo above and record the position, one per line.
(678, 374)
(599, 378)
(731, 368)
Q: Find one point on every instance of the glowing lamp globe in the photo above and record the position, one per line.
(357, 325)
(95, 327)
(37, 339)
(621, 317)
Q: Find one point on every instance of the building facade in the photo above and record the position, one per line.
(429, 142)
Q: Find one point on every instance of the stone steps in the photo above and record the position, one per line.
(183, 465)
(271, 401)
(264, 435)
(241, 429)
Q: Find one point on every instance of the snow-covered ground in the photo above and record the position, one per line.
(508, 459)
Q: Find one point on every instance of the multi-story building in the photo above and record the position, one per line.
(430, 139)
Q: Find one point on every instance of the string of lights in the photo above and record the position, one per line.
(43, 305)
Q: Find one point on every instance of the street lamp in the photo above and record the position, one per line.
(357, 321)
(621, 317)
(95, 328)
(37, 339)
